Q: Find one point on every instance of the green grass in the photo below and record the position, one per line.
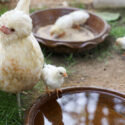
(3, 10)
(69, 59)
(9, 109)
(77, 5)
(118, 31)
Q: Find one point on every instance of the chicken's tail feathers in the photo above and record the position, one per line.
(23, 5)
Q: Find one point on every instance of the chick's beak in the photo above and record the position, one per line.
(5, 30)
(65, 75)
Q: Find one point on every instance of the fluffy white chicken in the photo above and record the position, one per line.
(75, 18)
(60, 26)
(21, 58)
(53, 77)
(79, 17)
(121, 42)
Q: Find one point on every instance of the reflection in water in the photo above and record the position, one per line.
(52, 113)
(104, 121)
(83, 109)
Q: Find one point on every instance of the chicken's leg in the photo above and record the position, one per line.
(58, 91)
(19, 105)
(48, 91)
(61, 35)
(77, 27)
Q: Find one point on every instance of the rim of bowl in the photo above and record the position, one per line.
(105, 29)
(68, 90)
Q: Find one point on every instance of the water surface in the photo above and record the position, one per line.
(83, 109)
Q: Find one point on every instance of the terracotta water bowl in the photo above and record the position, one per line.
(78, 106)
(98, 27)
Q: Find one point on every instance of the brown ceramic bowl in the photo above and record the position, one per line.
(79, 105)
(45, 17)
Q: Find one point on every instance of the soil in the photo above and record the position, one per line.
(109, 74)
(72, 34)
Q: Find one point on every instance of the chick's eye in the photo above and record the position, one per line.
(61, 73)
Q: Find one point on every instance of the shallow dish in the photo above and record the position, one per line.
(79, 106)
(46, 17)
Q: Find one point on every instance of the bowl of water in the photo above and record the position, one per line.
(78, 106)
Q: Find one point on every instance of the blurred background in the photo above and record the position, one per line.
(45, 3)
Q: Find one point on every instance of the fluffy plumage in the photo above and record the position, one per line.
(21, 58)
(61, 24)
(53, 76)
(68, 21)
(79, 17)
(121, 42)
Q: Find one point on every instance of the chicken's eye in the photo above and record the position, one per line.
(61, 73)
(13, 30)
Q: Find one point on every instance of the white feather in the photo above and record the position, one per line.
(61, 24)
(52, 77)
(21, 58)
(67, 21)
(121, 42)
(23, 5)
(64, 22)
(79, 17)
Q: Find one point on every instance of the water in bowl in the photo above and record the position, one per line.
(88, 108)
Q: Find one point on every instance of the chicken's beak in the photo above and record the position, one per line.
(5, 30)
(65, 75)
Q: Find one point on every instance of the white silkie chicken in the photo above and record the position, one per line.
(79, 17)
(21, 58)
(61, 25)
(75, 18)
(53, 77)
(121, 42)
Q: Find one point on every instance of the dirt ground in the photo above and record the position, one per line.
(109, 74)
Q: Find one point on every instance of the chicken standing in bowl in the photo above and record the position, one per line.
(62, 23)
(79, 17)
(53, 77)
(75, 18)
